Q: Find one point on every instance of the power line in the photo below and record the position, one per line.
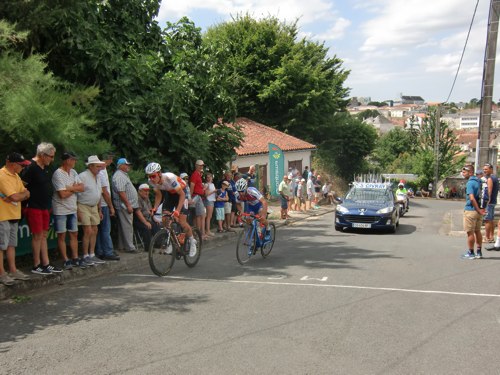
(463, 52)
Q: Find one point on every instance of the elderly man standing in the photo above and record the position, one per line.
(284, 192)
(104, 243)
(125, 201)
(37, 180)
(89, 208)
(197, 194)
(66, 184)
(12, 192)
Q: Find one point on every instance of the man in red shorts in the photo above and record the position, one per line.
(38, 182)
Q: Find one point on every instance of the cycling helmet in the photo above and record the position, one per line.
(152, 168)
(241, 184)
(401, 185)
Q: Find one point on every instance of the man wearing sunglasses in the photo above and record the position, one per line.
(175, 198)
(473, 214)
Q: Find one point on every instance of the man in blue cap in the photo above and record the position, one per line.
(125, 201)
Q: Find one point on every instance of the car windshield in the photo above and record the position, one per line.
(379, 195)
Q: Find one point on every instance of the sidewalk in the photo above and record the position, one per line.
(128, 261)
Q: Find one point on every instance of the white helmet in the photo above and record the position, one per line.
(401, 185)
(241, 184)
(152, 168)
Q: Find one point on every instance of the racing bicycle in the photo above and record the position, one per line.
(254, 237)
(170, 243)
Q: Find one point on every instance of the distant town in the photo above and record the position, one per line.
(409, 112)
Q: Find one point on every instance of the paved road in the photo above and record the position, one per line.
(324, 302)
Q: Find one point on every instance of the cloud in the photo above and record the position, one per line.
(337, 31)
(288, 10)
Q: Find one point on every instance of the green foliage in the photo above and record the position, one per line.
(390, 147)
(35, 106)
(346, 150)
(277, 80)
(367, 113)
(448, 150)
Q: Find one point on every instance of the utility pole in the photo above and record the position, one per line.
(437, 134)
(487, 86)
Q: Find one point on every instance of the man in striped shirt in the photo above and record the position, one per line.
(125, 201)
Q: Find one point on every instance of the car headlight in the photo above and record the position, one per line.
(342, 209)
(385, 210)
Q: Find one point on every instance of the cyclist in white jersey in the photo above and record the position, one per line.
(174, 200)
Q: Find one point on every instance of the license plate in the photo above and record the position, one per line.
(361, 225)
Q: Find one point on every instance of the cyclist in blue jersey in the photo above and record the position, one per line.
(256, 203)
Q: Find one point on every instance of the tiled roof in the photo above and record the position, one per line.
(257, 136)
(467, 137)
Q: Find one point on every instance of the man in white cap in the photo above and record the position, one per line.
(125, 201)
(89, 208)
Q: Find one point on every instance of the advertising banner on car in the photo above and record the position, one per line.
(277, 167)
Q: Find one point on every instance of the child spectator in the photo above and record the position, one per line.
(220, 200)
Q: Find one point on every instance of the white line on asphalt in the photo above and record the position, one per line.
(320, 285)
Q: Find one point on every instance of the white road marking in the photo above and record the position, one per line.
(316, 285)
(307, 278)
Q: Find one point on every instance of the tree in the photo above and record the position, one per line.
(278, 80)
(391, 146)
(35, 106)
(345, 151)
(448, 154)
(368, 113)
(161, 92)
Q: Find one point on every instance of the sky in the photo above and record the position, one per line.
(390, 47)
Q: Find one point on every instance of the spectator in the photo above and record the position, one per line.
(197, 193)
(12, 193)
(317, 190)
(238, 206)
(473, 214)
(37, 180)
(89, 209)
(125, 202)
(104, 243)
(309, 192)
(67, 184)
(221, 199)
(189, 198)
(209, 201)
(326, 189)
(251, 177)
(284, 192)
(228, 206)
(305, 173)
(296, 198)
(492, 186)
(301, 194)
(143, 221)
(292, 184)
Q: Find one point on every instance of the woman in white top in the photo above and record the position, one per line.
(209, 201)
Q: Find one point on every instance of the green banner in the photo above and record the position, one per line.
(276, 167)
(24, 237)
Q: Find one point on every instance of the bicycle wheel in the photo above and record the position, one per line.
(246, 244)
(161, 253)
(191, 261)
(265, 250)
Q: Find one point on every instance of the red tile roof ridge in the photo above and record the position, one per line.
(257, 136)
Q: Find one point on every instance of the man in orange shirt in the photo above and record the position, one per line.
(12, 192)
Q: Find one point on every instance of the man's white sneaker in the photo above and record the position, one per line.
(192, 247)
